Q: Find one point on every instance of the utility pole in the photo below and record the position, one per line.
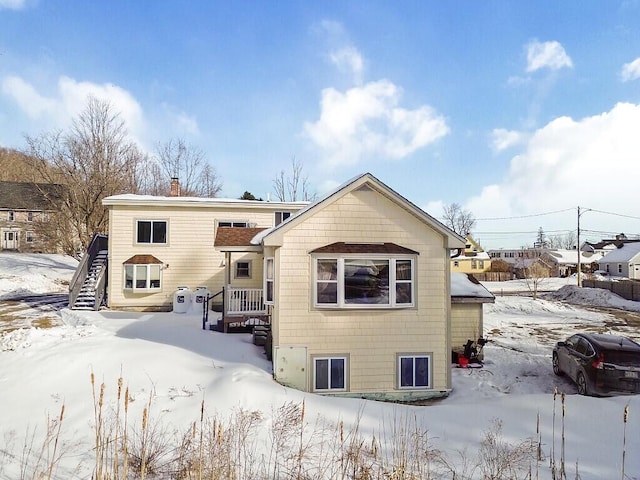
(579, 273)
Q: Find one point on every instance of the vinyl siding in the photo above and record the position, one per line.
(371, 337)
(189, 257)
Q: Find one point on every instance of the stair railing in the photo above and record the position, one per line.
(98, 242)
(205, 307)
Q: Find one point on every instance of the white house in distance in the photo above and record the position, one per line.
(623, 261)
(357, 286)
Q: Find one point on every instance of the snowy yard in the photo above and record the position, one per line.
(168, 357)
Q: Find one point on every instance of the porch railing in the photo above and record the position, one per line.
(242, 301)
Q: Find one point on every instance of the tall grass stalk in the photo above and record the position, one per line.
(624, 438)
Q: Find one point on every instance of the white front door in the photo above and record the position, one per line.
(10, 240)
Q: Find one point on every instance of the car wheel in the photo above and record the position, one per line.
(556, 365)
(581, 382)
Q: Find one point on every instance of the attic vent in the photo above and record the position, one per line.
(364, 188)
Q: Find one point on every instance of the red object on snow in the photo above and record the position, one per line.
(463, 362)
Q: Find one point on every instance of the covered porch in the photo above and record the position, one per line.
(243, 294)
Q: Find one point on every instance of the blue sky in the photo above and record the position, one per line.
(519, 111)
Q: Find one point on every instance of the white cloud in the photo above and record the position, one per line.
(589, 162)
(501, 139)
(349, 60)
(631, 71)
(549, 55)
(367, 121)
(13, 4)
(69, 99)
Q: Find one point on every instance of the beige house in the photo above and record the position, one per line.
(357, 286)
(472, 259)
(157, 244)
(361, 296)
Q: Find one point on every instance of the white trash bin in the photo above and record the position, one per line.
(181, 300)
(198, 298)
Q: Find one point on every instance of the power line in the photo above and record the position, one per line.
(526, 216)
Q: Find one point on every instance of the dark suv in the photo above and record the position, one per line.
(599, 364)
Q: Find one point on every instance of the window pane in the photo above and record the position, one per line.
(337, 373)
(327, 292)
(422, 372)
(403, 293)
(128, 276)
(154, 276)
(141, 276)
(327, 269)
(159, 232)
(243, 270)
(144, 232)
(269, 290)
(406, 372)
(403, 269)
(366, 281)
(322, 374)
(269, 273)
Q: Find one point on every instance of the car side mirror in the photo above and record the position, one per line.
(562, 344)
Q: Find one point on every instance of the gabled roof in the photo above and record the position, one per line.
(622, 254)
(28, 196)
(363, 181)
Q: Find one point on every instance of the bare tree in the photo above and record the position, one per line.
(293, 186)
(458, 219)
(533, 268)
(93, 160)
(567, 241)
(197, 178)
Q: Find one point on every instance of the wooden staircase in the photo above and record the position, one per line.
(88, 287)
(86, 299)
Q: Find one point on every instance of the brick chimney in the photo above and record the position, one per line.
(175, 187)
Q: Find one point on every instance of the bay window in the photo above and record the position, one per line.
(364, 281)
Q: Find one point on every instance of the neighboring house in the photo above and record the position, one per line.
(472, 259)
(564, 263)
(22, 207)
(357, 285)
(624, 261)
(514, 256)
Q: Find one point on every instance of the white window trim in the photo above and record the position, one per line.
(249, 269)
(345, 358)
(280, 215)
(148, 287)
(233, 223)
(30, 236)
(152, 220)
(400, 356)
(341, 304)
(267, 280)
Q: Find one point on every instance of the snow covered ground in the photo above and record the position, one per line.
(169, 358)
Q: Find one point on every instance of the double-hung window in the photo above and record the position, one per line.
(151, 231)
(268, 280)
(414, 371)
(243, 269)
(330, 374)
(364, 281)
(281, 217)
